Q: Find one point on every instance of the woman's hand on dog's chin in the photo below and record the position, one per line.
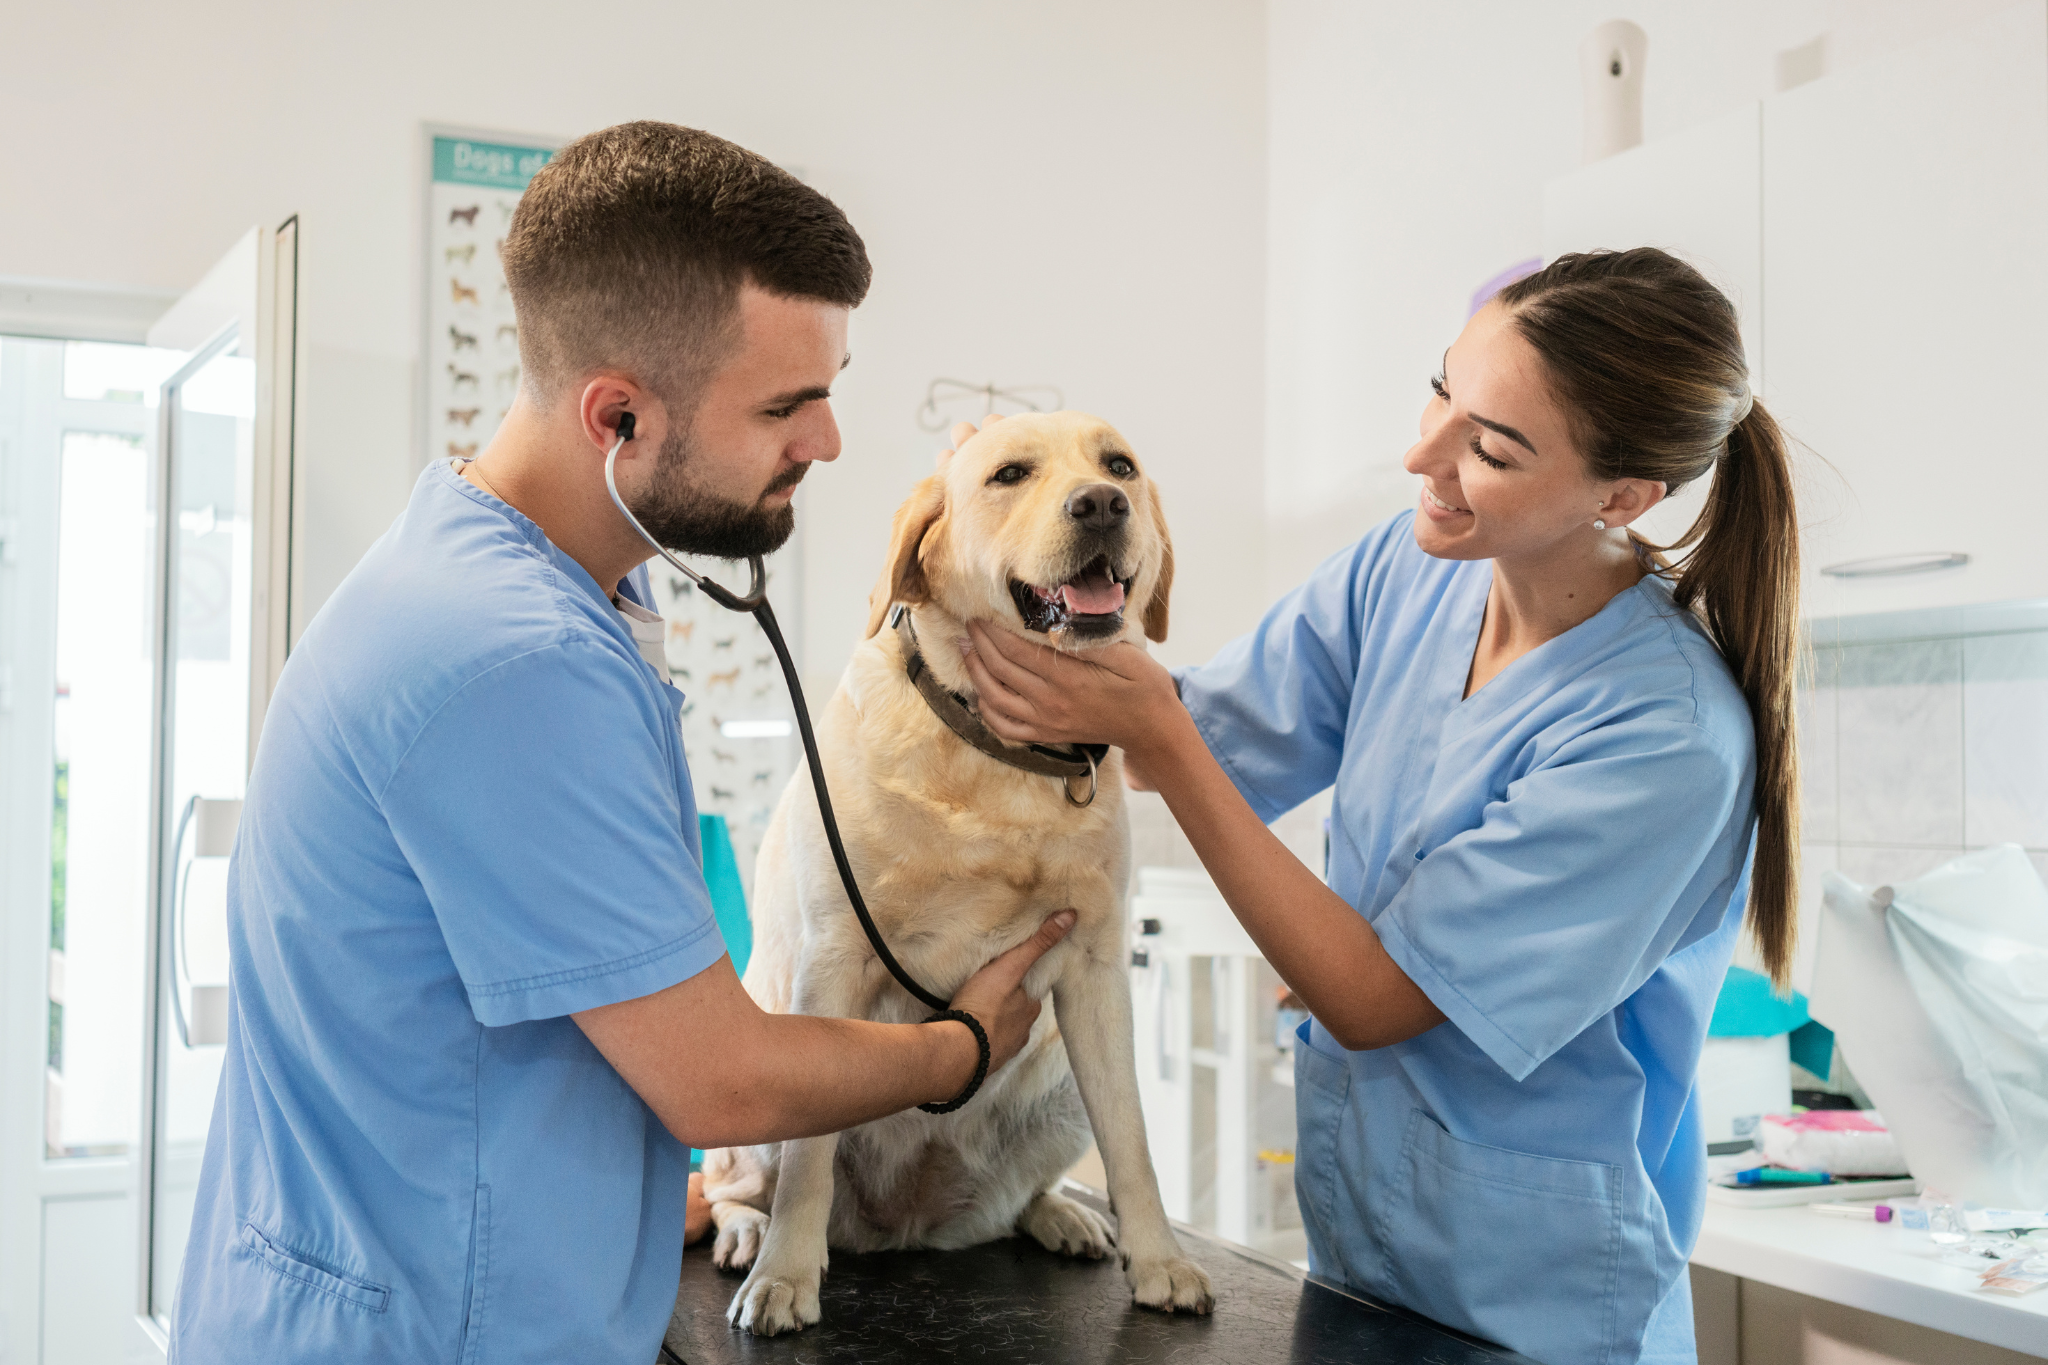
(1029, 693)
(995, 997)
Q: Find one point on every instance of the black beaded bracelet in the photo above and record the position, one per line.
(980, 1068)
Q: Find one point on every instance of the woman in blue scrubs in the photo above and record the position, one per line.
(1553, 755)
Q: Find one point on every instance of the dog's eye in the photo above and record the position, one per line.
(1121, 467)
(1010, 473)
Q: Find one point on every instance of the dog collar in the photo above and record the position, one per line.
(1082, 760)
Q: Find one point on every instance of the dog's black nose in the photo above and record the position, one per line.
(1099, 506)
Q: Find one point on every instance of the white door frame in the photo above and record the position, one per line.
(30, 1182)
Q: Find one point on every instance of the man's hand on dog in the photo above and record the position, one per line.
(995, 997)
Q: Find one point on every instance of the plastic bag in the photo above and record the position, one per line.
(1937, 990)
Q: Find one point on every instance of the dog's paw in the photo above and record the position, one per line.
(740, 1231)
(1172, 1284)
(776, 1299)
(1059, 1224)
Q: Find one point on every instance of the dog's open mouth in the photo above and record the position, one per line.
(1089, 605)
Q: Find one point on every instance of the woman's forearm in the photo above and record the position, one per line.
(1322, 948)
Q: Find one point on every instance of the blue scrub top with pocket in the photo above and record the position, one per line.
(1560, 862)
(469, 817)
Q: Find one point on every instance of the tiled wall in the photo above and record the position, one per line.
(1918, 749)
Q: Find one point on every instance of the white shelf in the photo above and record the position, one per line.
(1876, 1267)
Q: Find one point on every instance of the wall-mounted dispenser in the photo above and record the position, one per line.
(1611, 65)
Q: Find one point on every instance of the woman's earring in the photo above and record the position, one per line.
(1599, 524)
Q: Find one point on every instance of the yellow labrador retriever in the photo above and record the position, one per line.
(1044, 523)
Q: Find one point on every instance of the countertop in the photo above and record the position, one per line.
(1877, 1267)
(1012, 1301)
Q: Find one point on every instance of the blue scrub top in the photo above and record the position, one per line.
(469, 816)
(1560, 862)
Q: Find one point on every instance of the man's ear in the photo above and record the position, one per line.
(903, 578)
(1155, 608)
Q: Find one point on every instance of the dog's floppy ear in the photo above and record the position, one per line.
(903, 577)
(1155, 608)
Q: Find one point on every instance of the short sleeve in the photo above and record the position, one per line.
(1574, 888)
(539, 809)
(1272, 705)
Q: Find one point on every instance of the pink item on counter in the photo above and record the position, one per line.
(1830, 1121)
(1846, 1142)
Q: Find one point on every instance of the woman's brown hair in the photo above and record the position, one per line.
(1646, 357)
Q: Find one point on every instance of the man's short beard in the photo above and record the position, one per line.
(682, 515)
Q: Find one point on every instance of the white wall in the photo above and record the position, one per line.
(1068, 193)
(1408, 147)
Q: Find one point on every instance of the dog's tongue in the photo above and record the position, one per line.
(1093, 595)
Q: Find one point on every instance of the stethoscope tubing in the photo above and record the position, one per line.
(755, 604)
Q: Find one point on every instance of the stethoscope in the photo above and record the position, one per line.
(755, 604)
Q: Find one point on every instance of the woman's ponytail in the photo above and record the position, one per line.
(1647, 357)
(1742, 577)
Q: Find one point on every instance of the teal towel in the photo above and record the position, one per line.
(1749, 1008)
(728, 897)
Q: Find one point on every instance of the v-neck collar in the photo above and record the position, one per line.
(1488, 700)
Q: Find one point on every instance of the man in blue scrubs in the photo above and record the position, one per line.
(480, 1008)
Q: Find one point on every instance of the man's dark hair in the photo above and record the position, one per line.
(629, 249)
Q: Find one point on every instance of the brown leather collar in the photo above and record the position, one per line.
(1067, 765)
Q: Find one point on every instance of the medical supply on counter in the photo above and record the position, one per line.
(2020, 1275)
(2003, 1220)
(1771, 1175)
(1879, 1213)
(1288, 1015)
(1838, 1141)
(1724, 1190)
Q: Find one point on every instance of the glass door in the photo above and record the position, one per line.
(205, 534)
(222, 611)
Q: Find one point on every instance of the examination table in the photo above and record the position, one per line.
(1014, 1303)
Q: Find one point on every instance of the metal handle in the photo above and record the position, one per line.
(1892, 566)
(214, 822)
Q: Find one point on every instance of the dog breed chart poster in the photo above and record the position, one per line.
(472, 341)
(734, 701)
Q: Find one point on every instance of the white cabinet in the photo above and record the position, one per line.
(1882, 233)
(1216, 1088)
(1905, 290)
(1696, 195)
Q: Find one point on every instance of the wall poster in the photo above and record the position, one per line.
(471, 347)
(738, 727)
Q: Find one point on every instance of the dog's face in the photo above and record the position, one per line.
(1045, 523)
